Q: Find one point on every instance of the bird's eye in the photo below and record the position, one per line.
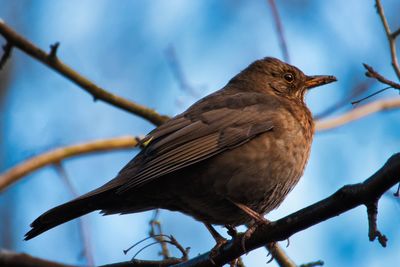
(289, 77)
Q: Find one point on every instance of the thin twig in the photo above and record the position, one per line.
(279, 30)
(7, 49)
(373, 232)
(396, 33)
(374, 74)
(162, 239)
(364, 110)
(178, 73)
(279, 255)
(139, 242)
(170, 240)
(49, 59)
(355, 92)
(356, 102)
(84, 232)
(158, 235)
(146, 246)
(28, 166)
(53, 50)
(390, 36)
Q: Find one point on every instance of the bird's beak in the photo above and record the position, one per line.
(318, 80)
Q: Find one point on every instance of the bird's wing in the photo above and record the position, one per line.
(206, 129)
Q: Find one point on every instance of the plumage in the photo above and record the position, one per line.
(248, 142)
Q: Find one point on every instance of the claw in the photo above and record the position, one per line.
(251, 230)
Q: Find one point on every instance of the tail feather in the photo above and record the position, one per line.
(61, 214)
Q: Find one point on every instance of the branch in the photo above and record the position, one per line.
(279, 30)
(279, 255)
(55, 156)
(373, 232)
(365, 110)
(390, 36)
(345, 199)
(12, 259)
(357, 113)
(374, 74)
(178, 73)
(7, 49)
(51, 60)
(145, 263)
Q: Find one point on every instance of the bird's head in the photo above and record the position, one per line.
(270, 75)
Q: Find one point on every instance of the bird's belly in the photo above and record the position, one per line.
(259, 175)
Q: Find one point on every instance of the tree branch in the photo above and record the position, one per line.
(279, 30)
(390, 36)
(345, 199)
(56, 155)
(51, 60)
(12, 259)
(357, 113)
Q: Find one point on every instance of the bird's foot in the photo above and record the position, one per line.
(272, 247)
(220, 240)
(215, 250)
(220, 243)
(249, 232)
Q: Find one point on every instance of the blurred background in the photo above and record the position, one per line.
(166, 55)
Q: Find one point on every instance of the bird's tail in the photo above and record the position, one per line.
(62, 214)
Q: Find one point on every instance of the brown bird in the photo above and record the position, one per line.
(227, 160)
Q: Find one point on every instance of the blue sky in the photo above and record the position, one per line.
(122, 47)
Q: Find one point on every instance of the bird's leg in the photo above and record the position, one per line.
(217, 237)
(258, 220)
(253, 214)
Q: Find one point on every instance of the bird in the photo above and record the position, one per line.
(229, 159)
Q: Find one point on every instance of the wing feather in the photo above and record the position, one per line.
(193, 137)
(175, 159)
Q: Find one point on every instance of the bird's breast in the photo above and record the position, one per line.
(261, 172)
